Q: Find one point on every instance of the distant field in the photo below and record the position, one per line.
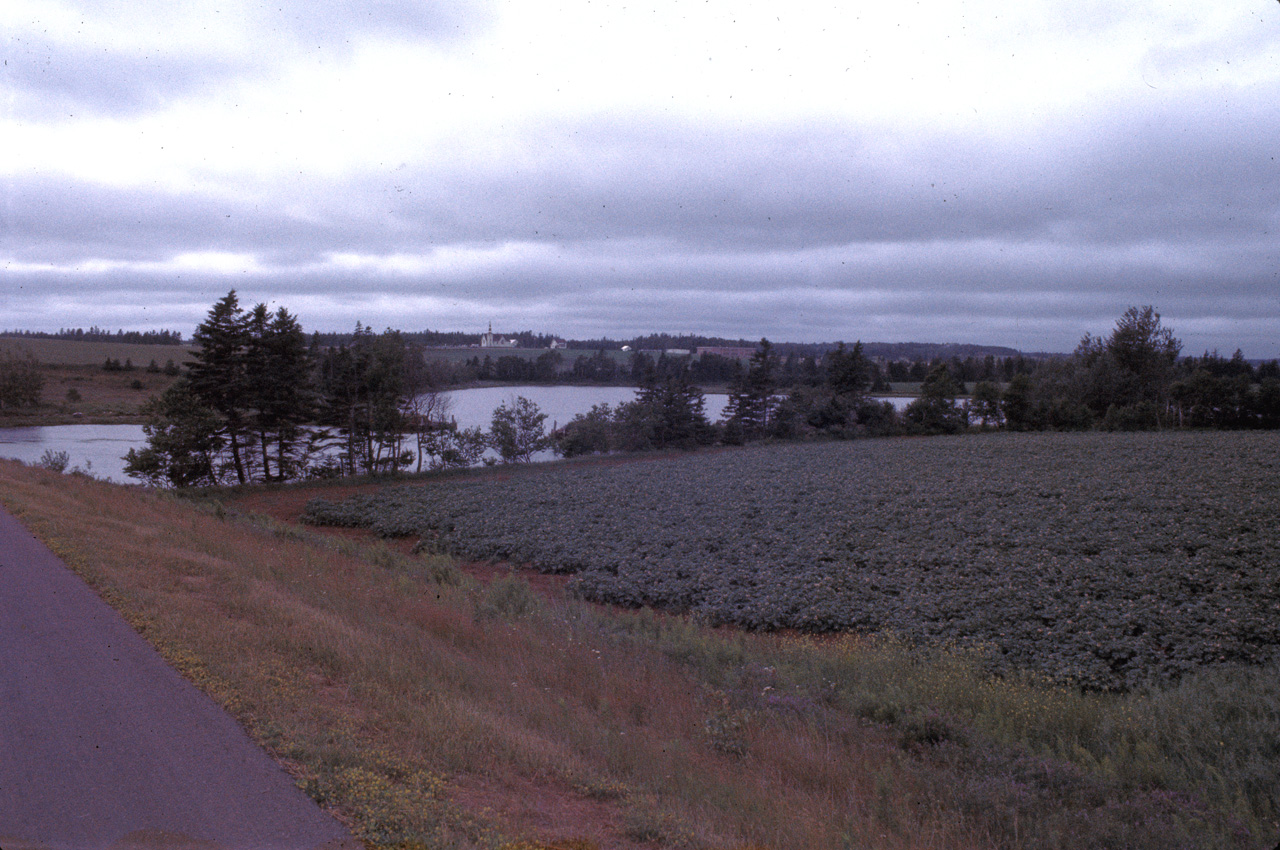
(1109, 559)
(569, 355)
(77, 388)
(64, 352)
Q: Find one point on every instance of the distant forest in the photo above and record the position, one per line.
(97, 334)
(887, 351)
(259, 403)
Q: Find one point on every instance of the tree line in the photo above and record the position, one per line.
(97, 334)
(1134, 379)
(669, 410)
(261, 402)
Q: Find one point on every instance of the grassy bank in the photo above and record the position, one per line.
(429, 709)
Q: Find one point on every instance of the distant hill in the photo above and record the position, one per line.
(66, 352)
(934, 351)
(72, 346)
(877, 350)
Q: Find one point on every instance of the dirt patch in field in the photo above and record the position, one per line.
(287, 504)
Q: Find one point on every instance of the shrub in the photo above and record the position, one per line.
(55, 461)
(509, 597)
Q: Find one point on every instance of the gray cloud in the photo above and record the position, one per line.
(48, 80)
(1159, 178)
(1025, 235)
(49, 73)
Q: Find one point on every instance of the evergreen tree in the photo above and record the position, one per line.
(848, 372)
(365, 387)
(281, 393)
(250, 387)
(832, 408)
(217, 377)
(670, 411)
(935, 411)
(184, 441)
(751, 399)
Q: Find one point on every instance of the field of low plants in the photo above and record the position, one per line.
(1105, 559)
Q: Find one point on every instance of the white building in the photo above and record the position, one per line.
(488, 340)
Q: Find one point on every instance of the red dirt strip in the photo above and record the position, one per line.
(103, 745)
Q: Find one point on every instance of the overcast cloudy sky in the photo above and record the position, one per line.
(1012, 172)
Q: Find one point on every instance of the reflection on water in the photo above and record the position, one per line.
(100, 449)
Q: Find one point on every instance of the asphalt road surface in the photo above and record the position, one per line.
(103, 746)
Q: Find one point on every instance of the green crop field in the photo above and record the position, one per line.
(1112, 560)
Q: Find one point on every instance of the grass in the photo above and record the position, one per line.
(428, 709)
(87, 394)
(78, 390)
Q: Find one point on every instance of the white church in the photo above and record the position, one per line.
(488, 340)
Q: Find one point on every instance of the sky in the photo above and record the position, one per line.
(1003, 172)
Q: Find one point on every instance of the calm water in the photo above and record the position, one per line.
(97, 449)
(474, 408)
(100, 449)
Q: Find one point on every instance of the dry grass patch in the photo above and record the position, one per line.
(429, 709)
(425, 712)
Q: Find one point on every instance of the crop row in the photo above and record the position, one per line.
(1108, 559)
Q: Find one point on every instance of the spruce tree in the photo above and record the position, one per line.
(218, 375)
(672, 410)
(365, 389)
(280, 388)
(751, 399)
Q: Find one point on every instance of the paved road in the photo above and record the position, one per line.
(104, 747)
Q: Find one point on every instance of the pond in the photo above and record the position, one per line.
(100, 449)
(96, 449)
(474, 407)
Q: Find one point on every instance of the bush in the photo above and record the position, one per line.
(509, 597)
(517, 432)
(56, 461)
(20, 380)
(1143, 416)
